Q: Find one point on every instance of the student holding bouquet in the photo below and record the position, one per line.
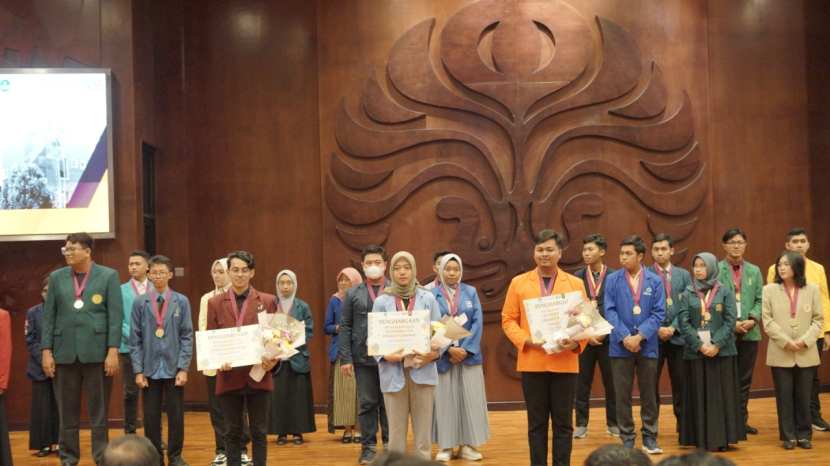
(292, 403)
(460, 416)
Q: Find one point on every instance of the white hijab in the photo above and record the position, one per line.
(451, 289)
(287, 301)
(224, 263)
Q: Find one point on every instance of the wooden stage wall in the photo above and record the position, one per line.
(300, 131)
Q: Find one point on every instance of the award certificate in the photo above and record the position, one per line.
(391, 331)
(239, 346)
(547, 315)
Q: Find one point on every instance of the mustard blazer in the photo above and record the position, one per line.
(776, 316)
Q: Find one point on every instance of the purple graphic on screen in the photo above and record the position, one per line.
(93, 173)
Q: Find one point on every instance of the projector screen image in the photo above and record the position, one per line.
(55, 153)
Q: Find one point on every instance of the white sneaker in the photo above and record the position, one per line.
(444, 455)
(581, 432)
(247, 459)
(615, 431)
(220, 460)
(466, 452)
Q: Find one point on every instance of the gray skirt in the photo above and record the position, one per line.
(460, 416)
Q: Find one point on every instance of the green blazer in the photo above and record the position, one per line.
(84, 334)
(752, 286)
(721, 326)
(301, 362)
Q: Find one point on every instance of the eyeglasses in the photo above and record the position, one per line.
(158, 274)
(70, 251)
(736, 243)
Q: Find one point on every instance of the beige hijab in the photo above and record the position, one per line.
(408, 291)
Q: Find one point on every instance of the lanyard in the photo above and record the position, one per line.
(372, 290)
(593, 288)
(135, 288)
(160, 318)
(454, 304)
(706, 303)
(399, 304)
(667, 283)
(636, 294)
(737, 277)
(793, 297)
(546, 291)
(239, 316)
(79, 289)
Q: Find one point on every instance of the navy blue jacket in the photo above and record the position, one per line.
(175, 348)
(619, 305)
(330, 324)
(469, 304)
(34, 329)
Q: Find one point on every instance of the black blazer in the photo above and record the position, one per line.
(34, 329)
(354, 327)
(581, 274)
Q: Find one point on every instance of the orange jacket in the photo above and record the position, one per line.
(514, 323)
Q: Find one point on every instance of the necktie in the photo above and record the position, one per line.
(161, 303)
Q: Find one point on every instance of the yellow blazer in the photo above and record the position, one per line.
(814, 273)
(776, 317)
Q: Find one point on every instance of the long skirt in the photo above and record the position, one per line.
(460, 416)
(292, 403)
(711, 416)
(342, 399)
(44, 422)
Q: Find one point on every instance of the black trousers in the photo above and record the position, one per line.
(153, 394)
(646, 371)
(5, 445)
(44, 421)
(815, 404)
(70, 379)
(588, 359)
(233, 408)
(673, 355)
(548, 398)
(372, 407)
(747, 353)
(792, 399)
(217, 419)
(130, 393)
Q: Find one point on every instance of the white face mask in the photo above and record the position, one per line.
(374, 272)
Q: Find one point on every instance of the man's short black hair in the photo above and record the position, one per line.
(795, 232)
(660, 237)
(696, 458)
(373, 249)
(84, 239)
(130, 450)
(244, 256)
(618, 455)
(733, 232)
(599, 240)
(140, 253)
(548, 234)
(439, 254)
(162, 260)
(637, 242)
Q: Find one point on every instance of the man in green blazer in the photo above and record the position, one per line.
(745, 280)
(81, 335)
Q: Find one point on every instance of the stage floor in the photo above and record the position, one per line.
(508, 444)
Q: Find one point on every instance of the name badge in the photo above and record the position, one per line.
(469, 304)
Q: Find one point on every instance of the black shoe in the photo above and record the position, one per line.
(751, 430)
(177, 462)
(789, 445)
(44, 452)
(358, 438)
(723, 449)
(366, 456)
(298, 439)
(805, 444)
(347, 438)
(282, 440)
(820, 425)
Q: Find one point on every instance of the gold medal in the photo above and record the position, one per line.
(637, 310)
(79, 304)
(707, 316)
(160, 333)
(669, 302)
(793, 322)
(738, 296)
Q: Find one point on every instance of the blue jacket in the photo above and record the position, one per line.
(175, 348)
(680, 279)
(619, 306)
(128, 296)
(34, 329)
(301, 362)
(391, 373)
(329, 325)
(468, 304)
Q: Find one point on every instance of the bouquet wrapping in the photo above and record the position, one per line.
(280, 335)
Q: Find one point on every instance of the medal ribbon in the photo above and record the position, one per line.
(454, 304)
(372, 290)
(546, 291)
(793, 297)
(135, 288)
(239, 317)
(279, 306)
(399, 303)
(593, 288)
(737, 275)
(706, 303)
(667, 281)
(79, 290)
(160, 318)
(639, 292)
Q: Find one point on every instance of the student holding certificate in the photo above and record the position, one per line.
(548, 380)
(408, 391)
(711, 416)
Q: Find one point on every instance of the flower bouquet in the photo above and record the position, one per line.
(581, 322)
(442, 333)
(281, 335)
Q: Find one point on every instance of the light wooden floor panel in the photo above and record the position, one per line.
(508, 445)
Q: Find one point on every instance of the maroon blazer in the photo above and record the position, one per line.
(220, 315)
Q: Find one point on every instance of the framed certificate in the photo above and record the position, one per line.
(391, 331)
(240, 347)
(546, 316)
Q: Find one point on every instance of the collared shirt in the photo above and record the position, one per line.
(141, 287)
(634, 279)
(240, 298)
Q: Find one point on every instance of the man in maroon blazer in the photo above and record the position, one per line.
(237, 307)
